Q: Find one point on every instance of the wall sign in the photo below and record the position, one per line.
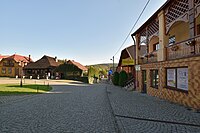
(171, 77)
(182, 78)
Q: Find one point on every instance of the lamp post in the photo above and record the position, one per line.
(113, 63)
(22, 64)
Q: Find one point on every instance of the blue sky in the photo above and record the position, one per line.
(87, 31)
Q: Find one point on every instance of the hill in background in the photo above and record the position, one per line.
(100, 69)
(105, 66)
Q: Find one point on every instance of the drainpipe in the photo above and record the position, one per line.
(136, 80)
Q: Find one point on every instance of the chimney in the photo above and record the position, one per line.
(29, 58)
(56, 59)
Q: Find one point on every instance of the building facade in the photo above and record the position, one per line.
(70, 70)
(171, 67)
(42, 68)
(12, 66)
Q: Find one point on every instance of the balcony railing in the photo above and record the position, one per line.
(148, 58)
(187, 48)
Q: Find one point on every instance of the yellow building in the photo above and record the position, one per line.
(12, 66)
(171, 67)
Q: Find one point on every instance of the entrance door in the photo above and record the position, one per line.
(144, 82)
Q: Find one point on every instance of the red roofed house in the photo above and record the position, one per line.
(42, 68)
(70, 70)
(11, 66)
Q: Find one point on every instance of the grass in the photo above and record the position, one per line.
(8, 89)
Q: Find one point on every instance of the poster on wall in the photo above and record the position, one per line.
(182, 78)
(171, 77)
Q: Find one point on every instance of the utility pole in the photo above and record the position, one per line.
(113, 64)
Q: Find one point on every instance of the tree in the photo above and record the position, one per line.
(123, 77)
(115, 78)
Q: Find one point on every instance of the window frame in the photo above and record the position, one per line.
(3, 70)
(156, 46)
(154, 80)
(176, 80)
(10, 70)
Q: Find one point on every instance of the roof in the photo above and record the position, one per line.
(77, 64)
(19, 58)
(44, 62)
(130, 52)
(152, 17)
(3, 56)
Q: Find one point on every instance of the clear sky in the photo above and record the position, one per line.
(87, 31)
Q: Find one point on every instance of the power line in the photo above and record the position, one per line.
(132, 27)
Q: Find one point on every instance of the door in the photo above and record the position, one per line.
(144, 82)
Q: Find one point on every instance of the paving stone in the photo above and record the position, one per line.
(74, 109)
(139, 112)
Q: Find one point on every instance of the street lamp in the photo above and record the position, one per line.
(22, 64)
(113, 63)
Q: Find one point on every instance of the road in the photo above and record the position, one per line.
(67, 108)
(78, 108)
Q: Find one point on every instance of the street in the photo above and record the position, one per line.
(98, 108)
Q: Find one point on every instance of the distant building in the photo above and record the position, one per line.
(11, 66)
(70, 70)
(42, 68)
(3, 56)
(127, 59)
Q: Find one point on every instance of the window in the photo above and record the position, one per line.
(3, 70)
(154, 78)
(172, 40)
(9, 70)
(156, 46)
(177, 78)
(198, 29)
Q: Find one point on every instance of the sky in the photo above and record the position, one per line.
(87, 31)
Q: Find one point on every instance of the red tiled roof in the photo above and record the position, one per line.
(44, 62)
(19, 58)
(3, 56)
(77, 64)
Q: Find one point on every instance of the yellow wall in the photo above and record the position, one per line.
(13, 74)
(180, 30)
(153, 41)
(192, 98)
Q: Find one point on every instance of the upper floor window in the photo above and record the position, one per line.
(156, 46)
(198, 29)
(172, 40)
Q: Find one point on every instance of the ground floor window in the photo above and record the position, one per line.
(9, 70)
(177, 78)
(154, 78)
(3, 70)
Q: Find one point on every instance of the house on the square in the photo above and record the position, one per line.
(42, 68)
(12, 66)
(70, 70)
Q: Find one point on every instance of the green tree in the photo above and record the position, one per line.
(115, 78)
(123, 77)
(93, 72)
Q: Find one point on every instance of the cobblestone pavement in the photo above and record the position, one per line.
(140, 113)
(78, 107)
(67, 108)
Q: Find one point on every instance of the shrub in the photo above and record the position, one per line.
(123, 77)
(115, 78)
